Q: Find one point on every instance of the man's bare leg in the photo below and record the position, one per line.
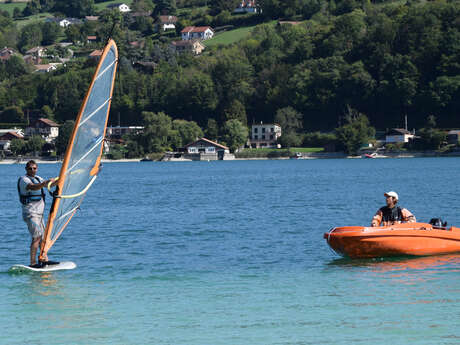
(33, 250)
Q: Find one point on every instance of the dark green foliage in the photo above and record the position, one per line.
(62, 140)
(74, 8)
(235, 134)
(355, 133)
(12, 114)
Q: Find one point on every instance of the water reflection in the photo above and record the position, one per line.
(401, 263)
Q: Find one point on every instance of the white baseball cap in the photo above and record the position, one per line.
(393, 194)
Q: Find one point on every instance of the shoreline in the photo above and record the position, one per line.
(307, 156)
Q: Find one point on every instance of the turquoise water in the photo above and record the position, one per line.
(232, 253)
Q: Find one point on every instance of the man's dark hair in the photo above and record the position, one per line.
(31, 162)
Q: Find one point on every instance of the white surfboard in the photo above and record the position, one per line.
(65, 265)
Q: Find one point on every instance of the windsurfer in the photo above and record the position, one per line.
(32, 197)
(391, 214)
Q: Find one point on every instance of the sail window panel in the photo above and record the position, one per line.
(102, 86)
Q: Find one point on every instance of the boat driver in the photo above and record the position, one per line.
(32, 197)
(392, 214)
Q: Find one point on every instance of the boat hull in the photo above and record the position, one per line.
(414, 239)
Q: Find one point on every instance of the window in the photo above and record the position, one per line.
(272, 129)
(271, 137)
(263, 130)
(255, 130)
(192, 150)
(211, 149)
(256, 137)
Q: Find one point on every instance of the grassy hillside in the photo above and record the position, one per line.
(229, 37)
(103, 5)
(10, 7)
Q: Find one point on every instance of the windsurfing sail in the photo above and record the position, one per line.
(83, 156)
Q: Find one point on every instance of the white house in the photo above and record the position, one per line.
(265, 135)
(167, 22)
(123, 8)
(48, 129)
(197, 32)
(246, 6)
(65, 22)
(398, 135)
(205, 149)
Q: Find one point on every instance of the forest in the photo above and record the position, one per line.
(382, 60)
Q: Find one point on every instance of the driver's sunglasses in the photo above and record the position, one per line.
(31, 168)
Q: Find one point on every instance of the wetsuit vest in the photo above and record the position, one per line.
(32, 195)
(391, 214)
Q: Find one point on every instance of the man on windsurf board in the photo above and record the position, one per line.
(32, 198)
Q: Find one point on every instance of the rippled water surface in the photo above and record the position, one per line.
(232, 253)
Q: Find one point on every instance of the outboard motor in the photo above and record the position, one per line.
(437, 223)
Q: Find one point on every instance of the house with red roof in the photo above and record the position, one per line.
(197, 33)
(5, 139)
(47, 128)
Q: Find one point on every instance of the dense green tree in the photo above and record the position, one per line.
(355, 133)
(237, 111)
(12, 114)
(17, 146)
(50, 32)
(31, 36)
(34, 145)
(235, 134)
(218, 6)
(75, 8)
(212, 129)
(32, 7)
(157, 128)
(164, 7)
(186, 132)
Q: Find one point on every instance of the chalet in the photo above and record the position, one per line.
(398, 135)
(91, 39)
(167, 22)
(5, 139)
(197, 32)
(195, 47)
(45, 68)
(95, 54)
(205, 149)
(6, 53)
(91, 18)
(453, 137)
(264, 135)
(247, 6)
(48, 129)
(32, 59)
(36, 51)
(123, 8)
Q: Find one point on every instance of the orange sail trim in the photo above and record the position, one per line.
(81, 134)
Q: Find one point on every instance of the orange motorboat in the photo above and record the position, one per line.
(394, 240)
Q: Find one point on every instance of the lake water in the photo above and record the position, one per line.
(211, 253)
